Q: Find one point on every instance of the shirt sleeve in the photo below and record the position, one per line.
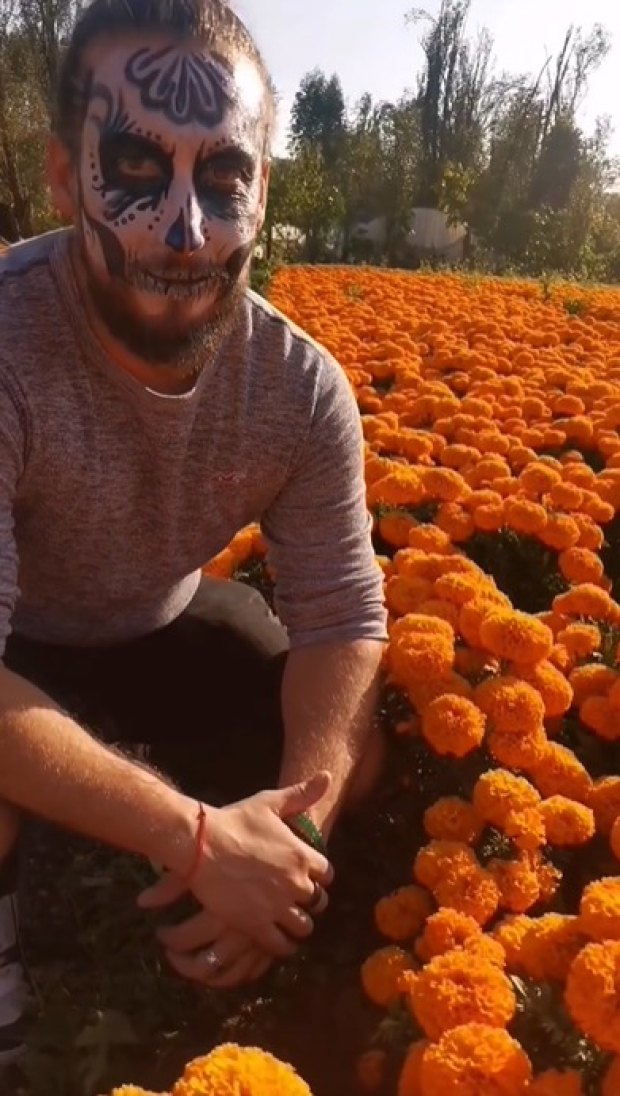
(12, 446)
(328, 584)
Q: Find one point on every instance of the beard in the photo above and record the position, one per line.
(174, 343)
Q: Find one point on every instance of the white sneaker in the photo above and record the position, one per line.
(13, 986)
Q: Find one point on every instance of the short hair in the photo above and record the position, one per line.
(212, 22)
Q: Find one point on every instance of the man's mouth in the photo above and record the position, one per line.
(178, 286)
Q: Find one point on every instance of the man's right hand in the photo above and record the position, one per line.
(254, 873)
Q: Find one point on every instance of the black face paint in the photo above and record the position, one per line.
(236, 262)
(187, 88)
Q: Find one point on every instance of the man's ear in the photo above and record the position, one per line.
(264, 194)
(61, 178)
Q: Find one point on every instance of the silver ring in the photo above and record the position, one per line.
(211, 961)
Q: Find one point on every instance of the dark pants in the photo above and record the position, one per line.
(202, 693)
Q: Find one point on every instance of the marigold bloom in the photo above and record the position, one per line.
(230, 1069)
(555, 1082)
(441, 858)
(592, 993)
(549, 946)
(580, 640)
(599, 910)
(382, 973)
(601, 716)
(559, 772)
(586, 600)
(594, 679)
(472, 891)
(555, 691)
(444, 931)
(401, 487)
(475, 1060)
(517, 751)
(515, 636)
(567, 822)
(528, 518)
(453, 725)
(579, 565)
(497, 793)
(400, 916)
(526, 828)
(452, 990)
(513, 706)
(452, 819)
(409, 1081)
(518, 884)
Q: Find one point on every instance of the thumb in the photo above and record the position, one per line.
(298, 798)
(164, 892)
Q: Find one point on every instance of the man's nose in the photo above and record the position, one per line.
(186, 234)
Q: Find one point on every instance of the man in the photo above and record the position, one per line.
(151, 406)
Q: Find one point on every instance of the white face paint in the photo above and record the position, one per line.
(171, 189)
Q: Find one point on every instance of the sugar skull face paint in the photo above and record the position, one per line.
(171, 192)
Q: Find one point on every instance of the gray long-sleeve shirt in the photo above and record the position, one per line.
(113, 496)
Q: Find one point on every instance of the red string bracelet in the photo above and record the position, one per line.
(200, 833)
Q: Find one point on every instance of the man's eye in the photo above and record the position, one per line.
(138, 167)
(220, 175)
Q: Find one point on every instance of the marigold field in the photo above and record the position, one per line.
(491, 412)
(491, 416)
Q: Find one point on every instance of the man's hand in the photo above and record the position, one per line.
(231, 959)
(255, 875)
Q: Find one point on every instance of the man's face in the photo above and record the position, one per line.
(170, 190)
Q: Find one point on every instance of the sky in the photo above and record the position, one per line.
(369, 46)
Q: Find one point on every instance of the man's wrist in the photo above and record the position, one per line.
(174, 844)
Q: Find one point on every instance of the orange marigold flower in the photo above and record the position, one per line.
(452, 990)
(599, 910)
(517, 751)
(445, 484)
(555, 1082)
(401, 915)
(580, 565)
(460, 588)
(556, 692)
(595, 679)
(474, 612)
(409, 1080)
(232, 1068)
(567, 822)
(580, 640)
(614, 839)
(605, 802)
(444, 931)
(394, 528)
(475, 1060)
(526, 828)
(400, 487)
(515, 636)
(525, 517)
(133, 1090)
(512, 706)
(610, 1083)
(498, 793)
(471, 891)
(560, 532)
(518, 885)
(439, 858)
(592, 993)
(538, 478)
(453, 725)
(511, 932)
(549, 947)
(370, 1069)
(559, 772)
(382, 974)
(586, 600)
(429, 538)
(452, 819)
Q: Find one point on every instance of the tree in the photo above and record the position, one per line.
(318, 117)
